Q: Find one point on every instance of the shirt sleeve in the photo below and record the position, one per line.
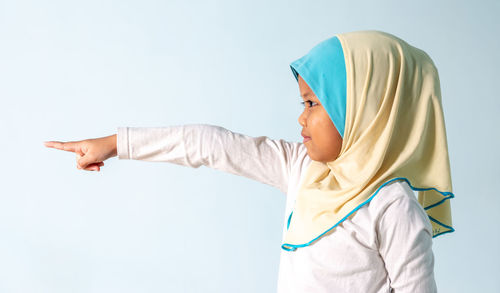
(404, 234)
(259, 158)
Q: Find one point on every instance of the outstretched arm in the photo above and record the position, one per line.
(260, 158)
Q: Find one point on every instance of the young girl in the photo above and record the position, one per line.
(373, 131)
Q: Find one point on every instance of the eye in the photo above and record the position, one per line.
(310, 103)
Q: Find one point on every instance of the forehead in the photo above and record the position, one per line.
(305, 90)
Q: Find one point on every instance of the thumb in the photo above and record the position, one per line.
(86, 160)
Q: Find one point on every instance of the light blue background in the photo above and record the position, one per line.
(71, 70)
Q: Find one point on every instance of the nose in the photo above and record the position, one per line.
(302, 118)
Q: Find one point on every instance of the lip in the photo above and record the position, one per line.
(306, 138)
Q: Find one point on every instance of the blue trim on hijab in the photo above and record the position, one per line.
(323, 69)
(446, 194)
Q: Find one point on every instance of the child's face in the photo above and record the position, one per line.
(325, 142)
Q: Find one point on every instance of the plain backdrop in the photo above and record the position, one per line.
(71, 70)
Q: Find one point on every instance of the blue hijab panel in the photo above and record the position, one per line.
(323, 69)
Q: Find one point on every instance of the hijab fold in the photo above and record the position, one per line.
(383, 96)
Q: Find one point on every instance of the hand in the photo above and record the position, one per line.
(90, 153)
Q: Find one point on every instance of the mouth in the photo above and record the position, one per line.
(306, 138)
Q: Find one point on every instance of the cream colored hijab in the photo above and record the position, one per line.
(394, 130)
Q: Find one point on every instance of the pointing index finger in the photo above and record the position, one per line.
(65, 146)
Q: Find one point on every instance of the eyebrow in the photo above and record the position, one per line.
(309, 94)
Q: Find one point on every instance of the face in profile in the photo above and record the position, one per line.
(322, 140)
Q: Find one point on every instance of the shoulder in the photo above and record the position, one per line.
(394, 192)
(395, 204)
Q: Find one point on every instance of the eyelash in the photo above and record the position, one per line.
(308, 101)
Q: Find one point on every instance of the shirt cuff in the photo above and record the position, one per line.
(122, 143)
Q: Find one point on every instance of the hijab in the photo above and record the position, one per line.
(383, 96)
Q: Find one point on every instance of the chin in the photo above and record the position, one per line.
(319, 158)
(313, 156)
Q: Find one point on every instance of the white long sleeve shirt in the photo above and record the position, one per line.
(386, 246)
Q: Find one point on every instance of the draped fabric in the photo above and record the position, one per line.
(392, 125)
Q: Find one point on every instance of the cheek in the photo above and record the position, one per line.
(316, 120)
(322, 125)
(324, 132)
